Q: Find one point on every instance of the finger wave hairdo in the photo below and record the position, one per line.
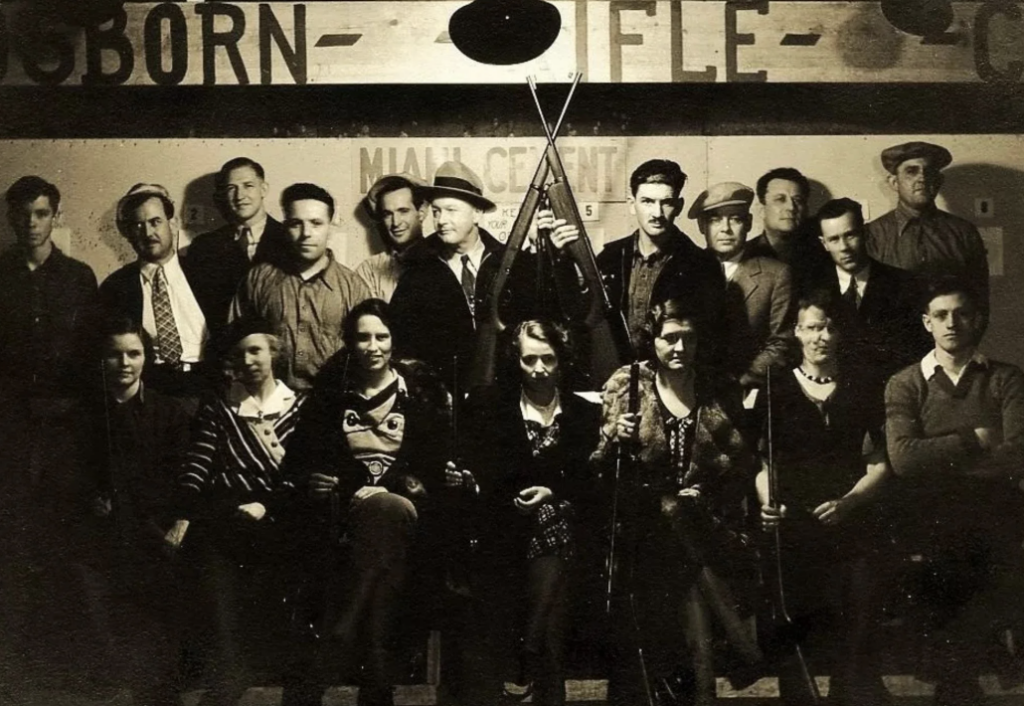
(674, 309)
(555, 335)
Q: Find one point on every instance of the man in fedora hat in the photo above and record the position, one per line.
(449, 276)
(918, 237)
(758, 308)
(398, 204)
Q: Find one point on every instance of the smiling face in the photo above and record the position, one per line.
(817, 335)
(843, 239)
(244, 192)
(123, 360)
(954, 323)
(675, 346)
(33, 221)
(538, 364)
(253, 360)
(785, 207)
(401, 219)
(656, 207)
(373, 344)
(151, 232)
(916, 182)
(309, 223)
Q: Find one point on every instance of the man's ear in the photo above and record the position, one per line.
(264, 187)
(478, 215)
(632, 205)
(892, 181)
(927, 321)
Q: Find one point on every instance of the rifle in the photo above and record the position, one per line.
(610, 346)
(784, 623)
(485, 356)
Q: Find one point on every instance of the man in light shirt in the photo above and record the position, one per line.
(157, 290)
(398, 204)
(759, 306)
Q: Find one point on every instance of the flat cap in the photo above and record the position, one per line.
(727, 193)
(392, 182)
(938, 156)
(458, 181)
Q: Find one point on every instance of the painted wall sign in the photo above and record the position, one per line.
(282, 43)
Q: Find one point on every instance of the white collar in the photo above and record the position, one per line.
(171, 267)
(248, 407)
(861, 277)
(930, 363)
(476, 254)
(256, 228)
(533, 412)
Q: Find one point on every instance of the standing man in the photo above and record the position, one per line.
(157, 290)
(955, 432)
(398, 204)
(916, 235)
(220, 259)
(449, 277)
(307, 297)
(783, 193)
(759, 306)
(881, 332)
(658, 261)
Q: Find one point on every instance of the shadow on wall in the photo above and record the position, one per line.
(1001, 188)
(820, 194)
(199, 210)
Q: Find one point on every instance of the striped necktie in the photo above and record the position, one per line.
(468, 282)
(167, 339)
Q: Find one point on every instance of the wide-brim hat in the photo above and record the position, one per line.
(392, 182)
(726, 194)
(458, 181)
(937, 155)
(141, 188)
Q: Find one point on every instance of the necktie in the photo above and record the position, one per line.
(468, 282)
(168, 341)
(246, 241)
(850, 296)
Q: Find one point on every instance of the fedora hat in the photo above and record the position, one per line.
(938, 156)
(458, 181)
(142, 188)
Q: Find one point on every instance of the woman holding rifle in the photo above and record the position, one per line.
(832, 468)
(681, 514)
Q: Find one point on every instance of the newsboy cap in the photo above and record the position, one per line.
(893, 157)
(142, 188)
(458, 181)
(392, 182)
(727, 193)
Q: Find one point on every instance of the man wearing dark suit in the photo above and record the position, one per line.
(759, 307)
(220, 259)
(658, 261)
(881, 332)
(157, 290)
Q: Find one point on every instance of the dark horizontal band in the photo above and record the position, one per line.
(456, 183)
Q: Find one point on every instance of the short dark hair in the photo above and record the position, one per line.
(555, 335)
(304, 191)
(237, 163)
(133, 201)
(29, 188)
(367, 307)
(120, 325)
(395, 182)
(823, 299)
(840, 207)
(676, 308)
(658, 171)
(943, 285)
(786, 174)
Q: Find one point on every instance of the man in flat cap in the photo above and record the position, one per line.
(758, 309)
(398, 204)
(449, 274)
(918, 237)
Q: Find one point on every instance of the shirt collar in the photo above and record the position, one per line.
(476, 254)
(320, 272)
(672, 243)
(904, 215)
(861, 277)
(542, 415)
(148, 269)
(248, 407)
(256, 229)
(930, 363)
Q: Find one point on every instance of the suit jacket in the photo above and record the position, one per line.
(886, 334)
(218, 264)
(760, 310)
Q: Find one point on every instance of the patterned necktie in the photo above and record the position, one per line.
(468, 282)
(245, 240)
(168, 341)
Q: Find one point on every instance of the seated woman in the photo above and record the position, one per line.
(680, 509)
(144, 435)
(531, 442)
(229, 492)
(374, 439)
(831, 468)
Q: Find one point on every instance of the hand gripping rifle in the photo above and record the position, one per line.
(783, 621)
(610, 346)
(485, 357)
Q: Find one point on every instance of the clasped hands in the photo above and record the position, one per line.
(830, 512)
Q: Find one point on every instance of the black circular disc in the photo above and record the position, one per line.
(505, 31)
(924, 18)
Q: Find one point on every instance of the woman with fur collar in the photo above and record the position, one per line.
(681, 510)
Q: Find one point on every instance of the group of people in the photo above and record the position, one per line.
(248, 449)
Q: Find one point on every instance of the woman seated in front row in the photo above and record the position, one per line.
(831, 468)
(682, 548)
(372, 444)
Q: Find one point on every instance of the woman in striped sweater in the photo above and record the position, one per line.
(230, 495)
